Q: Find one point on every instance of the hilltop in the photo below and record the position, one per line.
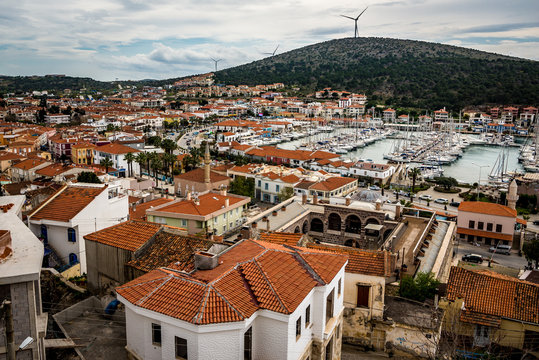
(400, 72)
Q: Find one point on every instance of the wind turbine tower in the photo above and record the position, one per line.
(356, 32)
(272, 53)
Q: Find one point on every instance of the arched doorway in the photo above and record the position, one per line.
(351, 243)
(317, 225)
(372, 221)
(305, 227)
(296, 230)
(353, 224)
(334, 222)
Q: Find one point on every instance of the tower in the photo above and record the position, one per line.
(512, 195)
(207, 165)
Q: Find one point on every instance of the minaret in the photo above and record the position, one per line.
(207, 165)
(512, 195)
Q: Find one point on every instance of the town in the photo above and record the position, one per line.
(199, 220)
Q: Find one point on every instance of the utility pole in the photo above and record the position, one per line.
(10, 333)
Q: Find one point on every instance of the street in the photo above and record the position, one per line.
(513, 261)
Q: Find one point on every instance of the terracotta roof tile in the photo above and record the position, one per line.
(66, 203)
(115, 148)
(281, 237)
(209, 203)
(487, 208)
(129, 235)
(490, 293)
(139, 213)
(197, 175)
(333, 183)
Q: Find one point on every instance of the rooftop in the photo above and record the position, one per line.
(209, 203)
(139, 213)
(129, 235)
(487, 208)
(197, 175)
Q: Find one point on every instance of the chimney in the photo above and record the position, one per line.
(222, 191)
(274, 213)
(304, 199)
(315, 199)
(245, 233)
(397, 211)
(283, 208)
(5, 245)
(197, 201)
(348, 201)
(254, 225)
(378, 205)
(205, 260)
(188, 196)
(227, 202)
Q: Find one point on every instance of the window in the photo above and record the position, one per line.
(329, 305)
(480, 225)
(277, 188)
(259, 183)
(498, 227)
(329, 350)
(181, 348)
(44, 234)
(339, 287)
(266, 186)
(482, 335)
(489, 226)
(248, 344)
(184, 222)
(298, 328)
(71, 237)
(363, 295)
(73, 259)
(471, 224)
(156, 334)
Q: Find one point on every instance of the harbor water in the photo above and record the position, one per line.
(464, 169)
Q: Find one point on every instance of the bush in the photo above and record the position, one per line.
(420, 288)
(447, 191)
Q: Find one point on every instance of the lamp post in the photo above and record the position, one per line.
(479, 181)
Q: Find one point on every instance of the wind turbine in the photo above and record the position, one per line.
(356, 32)
(272, 53)
(216, 61)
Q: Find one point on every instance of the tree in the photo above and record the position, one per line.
(420, 288)
(531, 251)
(155, 141)
(414, 173)
(129, 157)
(141, 159)
(168, 163)
(286, 193)
(446, 182)
(156, 164)
(242, 186)
(88, 177)
(168, 145)
(106, 163)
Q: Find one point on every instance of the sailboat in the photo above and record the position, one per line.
(498, 175)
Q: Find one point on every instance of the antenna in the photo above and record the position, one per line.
(216, 61)
(272, 53)
(356, 32)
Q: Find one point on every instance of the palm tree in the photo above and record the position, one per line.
(129, 157)
(157, 164)
(141, 159)
(106, 163)
(168, 145)
(414, 173)
(168, 162)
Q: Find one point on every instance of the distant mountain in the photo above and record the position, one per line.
(401, 72)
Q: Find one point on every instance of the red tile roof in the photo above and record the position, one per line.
(332, 183)
(489, 293)
(115, 148)
(29, 164)
(66, 203)
(139, 213)
(129, 235)
(197, 175)
(281, 238)
(250, 276)
(487, 208)
(209, 203)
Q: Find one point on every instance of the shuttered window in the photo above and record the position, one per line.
(363, 295)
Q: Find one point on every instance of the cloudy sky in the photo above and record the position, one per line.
(138, 39)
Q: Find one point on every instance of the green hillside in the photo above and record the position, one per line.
(400, 72)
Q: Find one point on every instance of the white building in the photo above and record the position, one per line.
(116, 152)
(75, 211)
(269, 185)
(57, 119)
(256, 300)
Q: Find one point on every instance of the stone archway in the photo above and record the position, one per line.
(296, 230)
(351, 243)
(352, 224)
(372, 221)
(305, 227)
(317, 225)
(334, 222)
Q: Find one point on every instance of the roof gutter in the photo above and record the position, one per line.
(44, 204)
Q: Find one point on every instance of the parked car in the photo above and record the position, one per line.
(454, 204)
(501, 249)
(472, 258)
(441, 201)
(374, 187)
(425, 197)
(536, 222)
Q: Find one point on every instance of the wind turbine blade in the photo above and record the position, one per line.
(362, 12)
(348, 17)
(274, 51)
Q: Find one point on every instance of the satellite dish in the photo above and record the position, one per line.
(26, 342)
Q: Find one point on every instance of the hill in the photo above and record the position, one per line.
(399, 72)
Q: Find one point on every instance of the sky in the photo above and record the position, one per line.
(159, 39)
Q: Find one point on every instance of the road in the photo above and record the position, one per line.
(182, 143)
(512, 261)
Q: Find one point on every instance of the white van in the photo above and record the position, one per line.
(501, 249)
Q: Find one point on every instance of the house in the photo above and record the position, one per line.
(378, 172)
(7, 159)
(123, 252)
(269, 185)
(82, 153)
(74, 211)
(21, 255)
(389, 116)
(254, 300)
(487, 223)
(487, 310)
(138, 211)
(212, 212)
(26, 169)
(116, 153)
(334, 186)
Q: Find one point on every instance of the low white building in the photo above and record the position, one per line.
(116, 153)
(255, 300)
(75, 211)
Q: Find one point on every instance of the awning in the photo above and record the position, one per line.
(374, 227)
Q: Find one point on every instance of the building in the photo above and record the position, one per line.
(389, 116)
(268, 186)
(333, 186)
(82, 153)
(486, 223)
(26, 169)
(255, 300)
(123, 252)
(73, 212)
(200, 179)
(213, 212)
(487, 310)
(21, 255)
(116, 153)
